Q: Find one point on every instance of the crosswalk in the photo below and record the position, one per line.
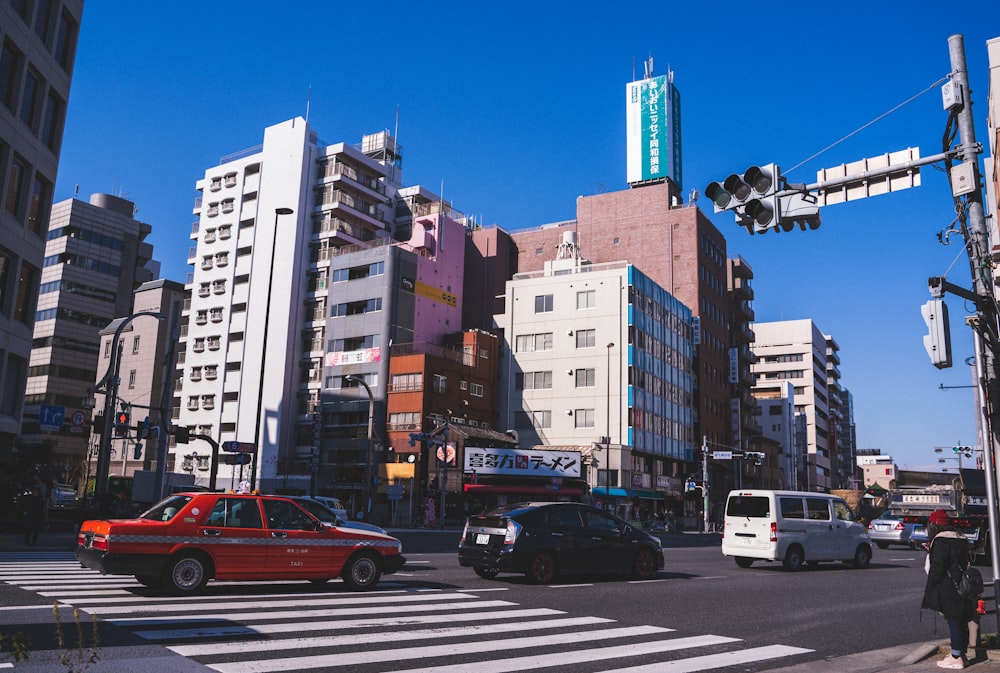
(239, 628)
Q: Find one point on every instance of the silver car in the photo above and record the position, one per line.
(891, 528)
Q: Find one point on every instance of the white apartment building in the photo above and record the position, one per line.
(778, 423)
(796, 352)
(301, 252)
(598, 357)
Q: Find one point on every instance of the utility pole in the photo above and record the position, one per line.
(982, 283)
(704, 480)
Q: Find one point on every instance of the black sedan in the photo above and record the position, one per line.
(546, 539)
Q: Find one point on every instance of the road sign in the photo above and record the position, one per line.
(238, 459)
(239, 447)
(394, 492)
(50, 417)
(722, 455)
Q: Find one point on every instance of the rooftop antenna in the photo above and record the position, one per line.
(648, 66)
(308, 100)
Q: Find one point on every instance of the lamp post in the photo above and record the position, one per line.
(368, 460)
(607, 446)
(263, 349)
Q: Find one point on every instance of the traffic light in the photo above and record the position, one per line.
(121, 422)
(937, 341)
(142, 428)
(752, 197)
(97, 424)
(137, 451)
(182, 434)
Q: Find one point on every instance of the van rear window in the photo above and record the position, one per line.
(752, 506)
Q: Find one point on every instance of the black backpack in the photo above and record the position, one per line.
(970, 581)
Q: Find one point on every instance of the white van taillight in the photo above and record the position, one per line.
(774, 531)
(513, 529)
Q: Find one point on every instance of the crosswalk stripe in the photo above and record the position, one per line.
(348, 659)
(379, 638)
(230, 629)
(260, 600)
(719, 660)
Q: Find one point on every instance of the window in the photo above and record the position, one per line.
(7, 263)
(52, 121)
(543, 303)
(135, 344)
(408, 381)
(15, 187)
(586, 299)
(30, 96)
(463, 385)
(66, 41)
(440, 384)
(585, 338)
(476, 390)
(12, 394)
(131, 379)
(27, 294)
(41, 198)
(542, 419)
(527, 343)
(10, 75)
(107, 349)
(407, 420)
(585, 378)
(583, 418)
(533, 380)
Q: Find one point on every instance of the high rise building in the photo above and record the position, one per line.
(797, 352)
(95, 258)
(310, 261)
(37, 50)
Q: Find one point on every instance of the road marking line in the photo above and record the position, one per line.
(379, 637)
(347, 659)
(719, 660)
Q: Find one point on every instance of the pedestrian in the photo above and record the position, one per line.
(33, 505)
(947, 557)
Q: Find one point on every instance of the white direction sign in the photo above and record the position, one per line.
(722, 455)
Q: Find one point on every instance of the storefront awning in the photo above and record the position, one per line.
(521, 490)
(628, 493)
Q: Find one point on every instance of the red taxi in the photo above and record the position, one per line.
(189, 538)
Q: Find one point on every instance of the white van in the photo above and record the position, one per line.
(793, 527)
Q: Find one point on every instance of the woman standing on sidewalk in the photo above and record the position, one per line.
(947, 547)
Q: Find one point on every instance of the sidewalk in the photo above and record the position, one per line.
(915, 658)
(57, 541)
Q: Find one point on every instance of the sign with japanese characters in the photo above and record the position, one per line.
(522, 462)
(653, 130)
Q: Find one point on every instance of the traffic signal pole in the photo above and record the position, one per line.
(985, 324)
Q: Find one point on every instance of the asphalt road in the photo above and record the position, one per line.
(823, 612)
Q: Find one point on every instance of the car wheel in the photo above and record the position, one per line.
(486, 573)
(644, 566)
(862, 556)
(882, 545)
(185, 573)
(793, 558)
(148, 581)
(542, 568)
(362, 571)
(744, 562)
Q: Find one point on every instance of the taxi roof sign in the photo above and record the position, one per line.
(239, 447)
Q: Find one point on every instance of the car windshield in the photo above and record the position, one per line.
(166, 509)
(318, 510)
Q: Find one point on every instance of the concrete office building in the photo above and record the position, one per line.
(677, 247)
(95, 258)
(37, 50)
(599, 357)
(797, 352)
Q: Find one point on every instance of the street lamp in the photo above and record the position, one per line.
(368, 461)
(263, 349)
(607, 446)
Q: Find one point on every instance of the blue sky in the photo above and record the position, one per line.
(518, 108)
